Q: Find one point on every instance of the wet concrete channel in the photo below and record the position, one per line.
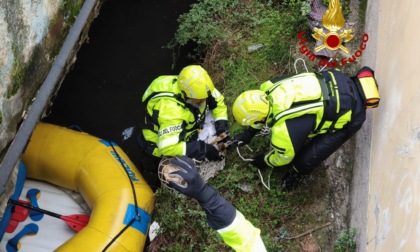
(125, 51)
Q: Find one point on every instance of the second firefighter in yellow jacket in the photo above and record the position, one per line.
(311, 115)
(175, 111)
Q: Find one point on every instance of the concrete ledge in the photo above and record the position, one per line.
(359, 191)
(57, 72)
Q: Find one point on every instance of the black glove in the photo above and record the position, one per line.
(246, 136)
(291, 180)
(259, 162)
(201, 150)
(194, 186)
(220, 213)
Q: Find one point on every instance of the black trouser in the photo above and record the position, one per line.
(311, 154)
(149, 169)
(149, 163)
(319, 149)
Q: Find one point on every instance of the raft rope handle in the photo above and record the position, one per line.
(75, 127)
(137, 215)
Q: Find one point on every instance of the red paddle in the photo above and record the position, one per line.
(76, 221)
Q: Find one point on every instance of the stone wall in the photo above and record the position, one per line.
(31, 35)
(29, 32)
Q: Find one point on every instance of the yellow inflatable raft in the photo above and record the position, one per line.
(120, 199)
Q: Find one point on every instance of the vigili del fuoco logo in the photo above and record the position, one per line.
(330, 38)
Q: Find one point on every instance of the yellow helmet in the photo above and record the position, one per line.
(194, 82)
(251, 108)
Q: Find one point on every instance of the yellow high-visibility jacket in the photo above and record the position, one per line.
(170, 121)
(242, 236)
(231, 224)
(330, 102)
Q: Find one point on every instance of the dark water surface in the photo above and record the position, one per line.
(102, 93)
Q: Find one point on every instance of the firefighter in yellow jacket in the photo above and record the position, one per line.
(234, 228)
(310, 114)
(175, 111)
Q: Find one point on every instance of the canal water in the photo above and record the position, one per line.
(125, 51)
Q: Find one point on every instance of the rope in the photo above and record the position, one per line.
(325, 65)
(239, 153)
(262, 180)
(304, 64)
(137, 215)
(75, 127)
(266, 130)
(250, 160)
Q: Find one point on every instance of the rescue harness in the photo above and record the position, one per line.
(335, 106)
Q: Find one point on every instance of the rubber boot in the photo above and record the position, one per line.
(290, 180)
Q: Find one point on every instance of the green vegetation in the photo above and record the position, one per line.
(345, 6)
(18, 74)
(346, 241)
(225, 29)
(71, 9)
(362, 10)
(222, 31)
(277, 214)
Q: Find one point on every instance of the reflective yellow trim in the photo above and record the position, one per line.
(167, 142)
(242, 236)
(163, 94)
(215, 93)
(335, 88)
(184, 148)
(298, 109)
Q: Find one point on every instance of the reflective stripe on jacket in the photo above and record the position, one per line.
(170, 122)
(242, 236)
(329, 97)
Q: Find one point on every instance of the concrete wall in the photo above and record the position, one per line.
(38, 44)
(392, 216)
(31, 34)
(25, 40)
